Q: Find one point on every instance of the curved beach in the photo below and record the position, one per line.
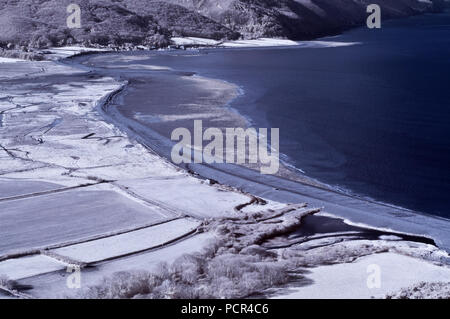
(155, 134)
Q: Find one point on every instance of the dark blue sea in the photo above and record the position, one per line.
(372, 119)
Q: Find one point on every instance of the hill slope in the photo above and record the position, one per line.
(297, 19)
(30, 24)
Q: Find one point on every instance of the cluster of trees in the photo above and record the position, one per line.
(213, 274)
(423, 290)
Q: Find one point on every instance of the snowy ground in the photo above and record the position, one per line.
(75, 190)
(350, 281)
(262, 42)
(128, 243)
(9, 60)
(64, 52)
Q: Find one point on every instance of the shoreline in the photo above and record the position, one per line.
(385, 216)
(288, 170)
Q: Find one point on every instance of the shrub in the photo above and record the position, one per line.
(6, 283)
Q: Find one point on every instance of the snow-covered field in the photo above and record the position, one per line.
(30, 266)
(350, 281)
(128, 243)
(53, 284)
(75, 190)
(190, 196)
(50, 219)
(9, 60)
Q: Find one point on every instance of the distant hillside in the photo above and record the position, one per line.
(28, 24)
(297, 19)
(42, 23)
